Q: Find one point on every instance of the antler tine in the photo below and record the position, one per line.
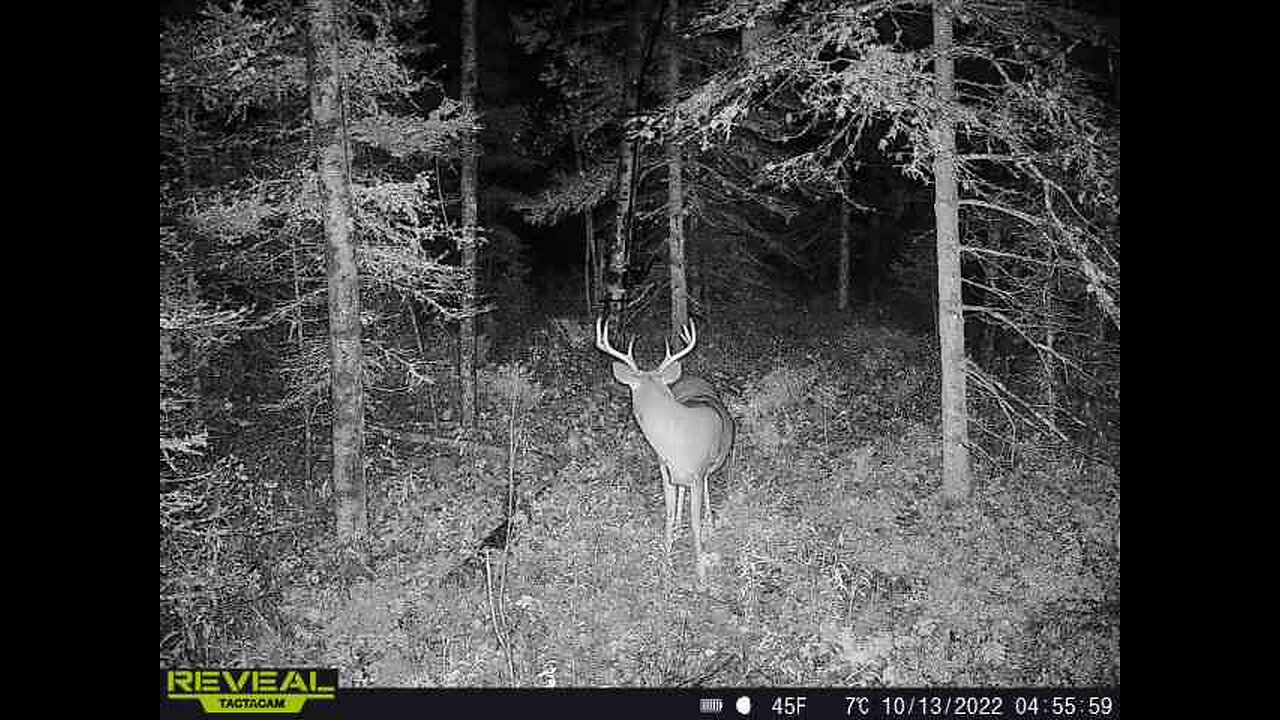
(602, 343)
(690, 336)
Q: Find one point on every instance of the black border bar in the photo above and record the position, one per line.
(697, 704)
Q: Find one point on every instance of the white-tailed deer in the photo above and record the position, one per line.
(686, 425)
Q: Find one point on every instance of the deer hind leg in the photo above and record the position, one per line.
(679, 505)
(706, 498)
(706, 503)
(695, 519)
(673, 506)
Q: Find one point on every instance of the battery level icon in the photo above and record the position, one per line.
(710, 706)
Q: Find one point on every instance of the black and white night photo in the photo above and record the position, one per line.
(662, 347)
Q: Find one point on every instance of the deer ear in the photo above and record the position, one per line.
(671, 373)
(624, 374)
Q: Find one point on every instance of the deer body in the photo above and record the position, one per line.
(684, 437)
(695, 392)
(684, 422)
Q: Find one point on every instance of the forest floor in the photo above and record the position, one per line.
(831, 558)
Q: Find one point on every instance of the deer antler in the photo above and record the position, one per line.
(690, 336)
(602, 342)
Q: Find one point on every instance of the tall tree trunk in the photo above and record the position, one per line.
(693, 271)
(597, 265)
(590, 259)
(675, 184)
(347, 362)
(1051, 315)
(618, 254)
(467, 331)
(946, 207)
(845, 255)
(588, 262)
